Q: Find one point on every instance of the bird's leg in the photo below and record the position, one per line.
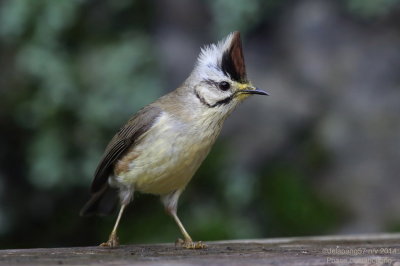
(113, 239)
(170, 202)
(187, 242)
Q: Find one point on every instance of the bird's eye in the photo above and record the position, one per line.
(223, 85)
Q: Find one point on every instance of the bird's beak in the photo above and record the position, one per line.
(252, 90)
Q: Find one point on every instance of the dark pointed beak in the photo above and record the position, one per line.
(253, 90)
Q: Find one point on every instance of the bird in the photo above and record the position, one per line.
(161, 147)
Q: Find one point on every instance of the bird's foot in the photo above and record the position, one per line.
(112, 242)
(189, 244)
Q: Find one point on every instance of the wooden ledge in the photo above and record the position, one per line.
(332, 250)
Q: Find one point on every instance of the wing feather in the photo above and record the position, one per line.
(127, 136)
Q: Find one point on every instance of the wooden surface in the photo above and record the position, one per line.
(330, 250)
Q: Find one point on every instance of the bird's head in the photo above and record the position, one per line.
(219, 80)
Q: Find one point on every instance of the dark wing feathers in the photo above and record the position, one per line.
(121, 142)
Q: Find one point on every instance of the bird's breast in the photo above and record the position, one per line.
(168, 155)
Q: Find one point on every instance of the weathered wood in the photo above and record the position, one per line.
(331, 250)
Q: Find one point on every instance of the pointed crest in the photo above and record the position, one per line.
(225, 56)
(232, 61)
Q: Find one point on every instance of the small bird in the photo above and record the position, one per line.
(161, 147)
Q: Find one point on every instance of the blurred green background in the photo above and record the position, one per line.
(319, 156)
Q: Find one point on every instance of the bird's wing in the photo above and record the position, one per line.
(127, 136)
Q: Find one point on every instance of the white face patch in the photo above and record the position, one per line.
(209, 93)
(207, 74)
(215, 64)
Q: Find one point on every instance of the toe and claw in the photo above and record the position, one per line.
(112, 242)
(189, 244)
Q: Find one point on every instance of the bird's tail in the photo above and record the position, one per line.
(102, 202)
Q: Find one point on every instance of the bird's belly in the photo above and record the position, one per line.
(167, 159)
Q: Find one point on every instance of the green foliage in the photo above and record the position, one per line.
(371, 8)
(294, 205)
(72, 92)
(294, 208)
(242, 15)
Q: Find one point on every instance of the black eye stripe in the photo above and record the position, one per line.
(211, 82)
(219, 103)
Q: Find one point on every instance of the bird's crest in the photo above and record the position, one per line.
(225, 56)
